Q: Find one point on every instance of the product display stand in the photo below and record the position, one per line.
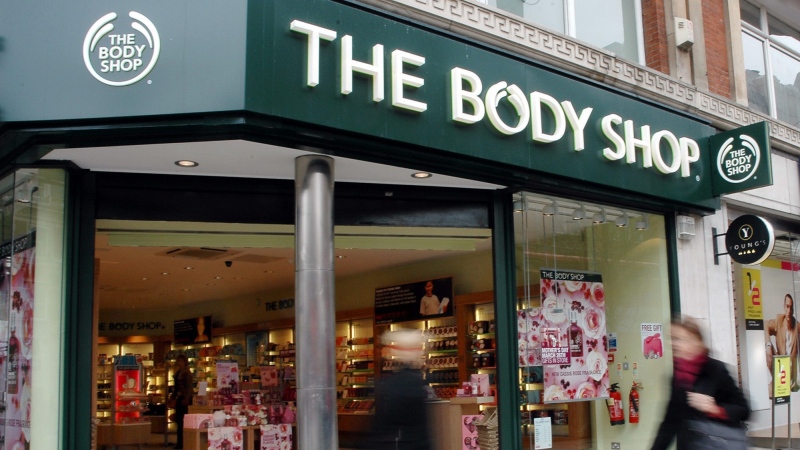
(446, 418)
(128, 427)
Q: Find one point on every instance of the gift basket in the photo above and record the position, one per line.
(487, 430)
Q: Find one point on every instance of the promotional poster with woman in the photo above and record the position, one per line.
(567, 336)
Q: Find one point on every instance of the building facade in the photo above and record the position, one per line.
(564, 139)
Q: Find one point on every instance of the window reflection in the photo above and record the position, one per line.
(547, 13)
(786, 76)
(756, 73)
(772, 63)
(610, 24)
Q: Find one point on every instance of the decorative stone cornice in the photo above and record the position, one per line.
(512, 33)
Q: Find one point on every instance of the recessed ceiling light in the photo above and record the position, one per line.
(186, 163)
(217, 278)
(144, 278)
(421, 175)
(188, 267)
(164, 273)
(341, 256)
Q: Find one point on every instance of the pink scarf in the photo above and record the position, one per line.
(687, 370)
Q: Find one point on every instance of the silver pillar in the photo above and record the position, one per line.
(315, 319)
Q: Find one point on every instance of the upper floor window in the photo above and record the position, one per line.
(772, 62)
(614, 25)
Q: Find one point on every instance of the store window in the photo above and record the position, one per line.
(772, 63)
(767, 322)
(593, 313)
(158, 278)
(612, 25)
(31, 315)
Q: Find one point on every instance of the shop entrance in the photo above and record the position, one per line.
(199, 277)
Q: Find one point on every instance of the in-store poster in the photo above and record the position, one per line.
(276, 437)
(751, 290)
(225, 438)
(427, 299)
(228, 375)
(652, 340)
(572, 322)
(543, 433)
(469, 433)
(196, 330)
(17, 350)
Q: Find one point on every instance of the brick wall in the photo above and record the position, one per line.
(655, 35)
(719, 81)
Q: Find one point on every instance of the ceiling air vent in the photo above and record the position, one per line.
(205, 253)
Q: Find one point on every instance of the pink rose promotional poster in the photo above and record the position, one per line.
(567, 336)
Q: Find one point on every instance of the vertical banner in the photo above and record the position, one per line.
(751, 289)
(781, 379)
(20, 342)
(573, 336)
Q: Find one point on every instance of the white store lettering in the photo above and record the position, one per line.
(636, 143)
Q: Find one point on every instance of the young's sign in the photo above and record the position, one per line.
(749, 239)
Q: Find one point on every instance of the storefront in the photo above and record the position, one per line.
(550, 194)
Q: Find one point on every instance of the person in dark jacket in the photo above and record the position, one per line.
(182, 391)
(401, 418)
(702, 389)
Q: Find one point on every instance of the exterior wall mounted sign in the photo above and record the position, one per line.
(749, 239)
(330, 65)
(121, 56)
(742, 159)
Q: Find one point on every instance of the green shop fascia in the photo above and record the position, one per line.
(350, 81)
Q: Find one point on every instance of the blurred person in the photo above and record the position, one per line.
(702, 390)
(183, 388)
(401, 418)
(784, 328)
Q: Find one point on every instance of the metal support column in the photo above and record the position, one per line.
(315, 304)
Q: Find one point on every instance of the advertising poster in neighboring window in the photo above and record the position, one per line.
(753, 311)
(573, 336)
(18, 354)
(781, 376)
(428, 299)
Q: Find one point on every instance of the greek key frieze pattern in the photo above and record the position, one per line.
(487, 24)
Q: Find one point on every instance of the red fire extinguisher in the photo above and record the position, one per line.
(633, 403)
(614, 404)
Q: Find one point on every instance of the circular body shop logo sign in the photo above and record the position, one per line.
(123, 55)
(749, 239)
(738, 163)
